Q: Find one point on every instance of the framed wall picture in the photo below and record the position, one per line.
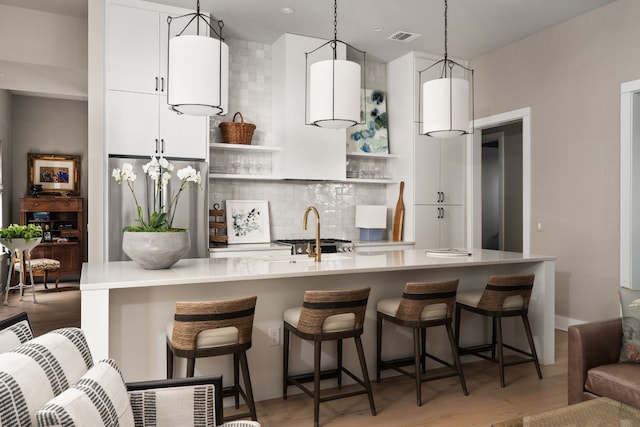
(46, 236)
(372, 136)
(56, 173)
(248, 221)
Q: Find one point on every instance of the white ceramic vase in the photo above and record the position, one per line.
(20, 244)
(155, 250)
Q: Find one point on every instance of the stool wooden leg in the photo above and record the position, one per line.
(456, 358)
(423, 349)
(378, 347)
(57, 278)
(236, 379)
(317, 346)
(191, 366)
(246, 378)
(169, 363)
(457, 326)
(285, 362)
(417, 358)
(45, 279)
(365, 373)
(339, 360)
(534, 355)
(498, 325)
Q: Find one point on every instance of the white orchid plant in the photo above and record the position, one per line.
(159, 171)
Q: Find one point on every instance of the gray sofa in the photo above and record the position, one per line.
(53, 380)
(594, 371)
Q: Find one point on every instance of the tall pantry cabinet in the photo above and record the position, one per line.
(138, 119)
(433, 169)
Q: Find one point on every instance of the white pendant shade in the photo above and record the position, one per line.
(334, 94)
(198, 84)
(445, 107)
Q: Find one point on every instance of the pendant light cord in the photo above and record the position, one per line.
(446, 7)
(335, 29)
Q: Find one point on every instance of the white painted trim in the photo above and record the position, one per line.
(474, 221)
(563, 322)
(627, 91)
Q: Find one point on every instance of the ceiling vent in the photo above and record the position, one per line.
(403, 36)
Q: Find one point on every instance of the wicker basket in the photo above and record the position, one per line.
(237, 133)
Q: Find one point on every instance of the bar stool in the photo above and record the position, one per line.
(327, 316)
(215, 328)
(423, 305)
(504, 296)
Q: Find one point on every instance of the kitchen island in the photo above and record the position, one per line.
(125, 308)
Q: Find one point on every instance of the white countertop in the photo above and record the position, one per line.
(127, 274)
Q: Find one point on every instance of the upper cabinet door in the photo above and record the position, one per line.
(131, 123)
(133, 50)
(452, 170)
(182, 135)
(427, 170)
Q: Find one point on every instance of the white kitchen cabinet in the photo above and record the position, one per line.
(433, 169)
(138, 119)
(142, 124)
(439, 226)
(137, 39)
(439, 170)
(309, 152)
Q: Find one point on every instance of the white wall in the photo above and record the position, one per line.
(43, 53)
(570, 76)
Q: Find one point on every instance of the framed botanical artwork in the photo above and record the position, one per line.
(248, 221)
(372, 136)
(56, 173)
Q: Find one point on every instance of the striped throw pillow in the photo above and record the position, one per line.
(15, 335)
(99, 398)
(174, 406)
(38, 370)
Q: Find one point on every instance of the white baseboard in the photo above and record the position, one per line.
(563, 322)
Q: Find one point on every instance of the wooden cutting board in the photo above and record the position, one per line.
(398, 217)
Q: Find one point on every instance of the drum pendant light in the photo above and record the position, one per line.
(334, 88)
(447, 102)
(198, 67)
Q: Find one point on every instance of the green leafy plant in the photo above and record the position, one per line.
(16, 231)
(159, 217)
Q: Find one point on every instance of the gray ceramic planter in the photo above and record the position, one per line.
(155, 251)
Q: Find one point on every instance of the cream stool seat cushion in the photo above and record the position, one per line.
(472, 298)
(45, 264)
(390, 307)
(208, 338)
(335, 323)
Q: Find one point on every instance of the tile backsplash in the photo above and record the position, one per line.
(250, 92)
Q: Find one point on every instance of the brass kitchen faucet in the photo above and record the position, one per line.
(315, 254)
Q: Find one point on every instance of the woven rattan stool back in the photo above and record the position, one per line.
(318, 305)
(418, 295)
(193, 317)
(500, 288)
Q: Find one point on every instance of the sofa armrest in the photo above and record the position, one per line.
(590, 345)
(138, 390)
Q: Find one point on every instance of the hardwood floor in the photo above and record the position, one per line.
(443, 401)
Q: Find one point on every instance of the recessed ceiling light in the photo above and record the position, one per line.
(287, 10)
(377, 29)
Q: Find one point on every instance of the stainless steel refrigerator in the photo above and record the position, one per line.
(191, 213)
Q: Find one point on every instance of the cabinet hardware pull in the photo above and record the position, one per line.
(442, 200)
(162, 145)
(161, 84)
(156, 83)
(156, 145)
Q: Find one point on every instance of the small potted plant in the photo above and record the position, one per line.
(20, 237)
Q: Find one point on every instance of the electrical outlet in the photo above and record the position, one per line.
(274, 336)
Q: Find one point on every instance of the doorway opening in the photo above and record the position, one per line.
(514, 129)
(502, 187)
